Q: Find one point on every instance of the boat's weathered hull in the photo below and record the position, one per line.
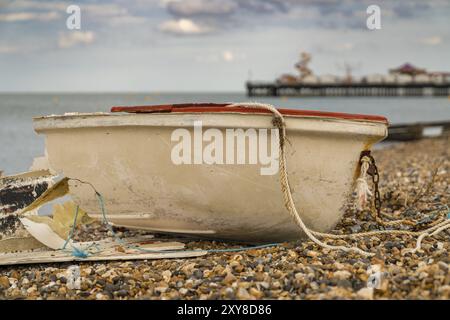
(127, 158)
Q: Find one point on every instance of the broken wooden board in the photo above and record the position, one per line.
(16, 193)
(19, 191)
(110, 250)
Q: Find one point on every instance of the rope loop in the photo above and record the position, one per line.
(364, 191)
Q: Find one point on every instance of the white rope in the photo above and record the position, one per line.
(425, 234)
(362, 190)
(362, 187)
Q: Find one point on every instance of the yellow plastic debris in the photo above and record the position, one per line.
(63, 218)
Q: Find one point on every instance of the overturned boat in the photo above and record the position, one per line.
(210, 170)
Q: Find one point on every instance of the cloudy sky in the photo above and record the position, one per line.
(209, 45)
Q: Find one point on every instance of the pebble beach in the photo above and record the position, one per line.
(414, 185)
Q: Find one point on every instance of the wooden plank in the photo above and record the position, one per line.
(110, 251)
(15, 244)
(60, 256)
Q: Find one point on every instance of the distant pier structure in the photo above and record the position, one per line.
(406, 80)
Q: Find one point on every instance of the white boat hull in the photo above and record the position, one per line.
(127, 157)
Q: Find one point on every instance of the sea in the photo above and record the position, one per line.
(20, 144)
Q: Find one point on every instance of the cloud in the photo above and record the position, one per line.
(410, 9)
(183, 27)
(103, 10)
(214, 15)
(201, 7)
(228, 56)
(330, 14)
(34, 10)
(126, 20)
(41, 5)
(218, 56)
(266, 6)
(431, 41)
(28, 16)
(74, 38)
(99, 9)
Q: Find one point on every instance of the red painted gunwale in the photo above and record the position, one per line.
(222, 107)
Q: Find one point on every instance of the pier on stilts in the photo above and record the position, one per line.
(273, 89)
(405, 80)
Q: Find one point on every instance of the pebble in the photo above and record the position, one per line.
(167, 274)
(4, 282)
(243, 294)
(183, 291)
(365, 293)
(229, 278)
(342, 274)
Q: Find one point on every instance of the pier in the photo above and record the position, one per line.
(274, 89)
(405, 80)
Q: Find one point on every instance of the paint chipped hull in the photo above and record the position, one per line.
(17, 192)
(127, 157)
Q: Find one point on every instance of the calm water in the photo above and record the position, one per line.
(19, 143)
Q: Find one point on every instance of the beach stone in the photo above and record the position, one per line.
(31, 290)
(258, 294)
(109, 287)
(265, 285)
(312, 254)
(161, 289)
(62, 291)
(4, 282)
(122, 293)
(443, 266)
(167, 274)
(198, 274)
(229, 278)
(101, 296)
(344, 283)
(342, 274)
(243, 294)
(365, 293)
(183, 291)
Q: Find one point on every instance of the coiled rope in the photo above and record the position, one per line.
(280, 123)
